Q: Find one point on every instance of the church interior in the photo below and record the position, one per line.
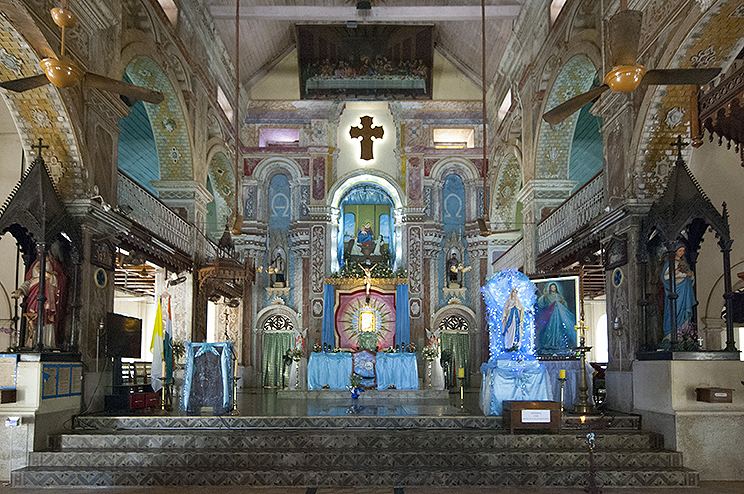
(421, 224)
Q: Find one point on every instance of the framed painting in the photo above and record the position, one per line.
(556, 315)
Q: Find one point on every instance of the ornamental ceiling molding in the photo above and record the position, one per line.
(713, 40)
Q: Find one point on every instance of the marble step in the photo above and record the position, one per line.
(371, 440)
(323, 460)
(342, 421)
(127, 476)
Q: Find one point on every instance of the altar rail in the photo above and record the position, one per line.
(583, 206)
(151, 213)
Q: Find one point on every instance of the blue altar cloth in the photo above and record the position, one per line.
(399, 369)
(333, 369)
(573, 378)
(510, 380)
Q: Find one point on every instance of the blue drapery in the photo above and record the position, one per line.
(512, 380)
(224, 351)
(329, 333)
(331, 369)
(402, 321)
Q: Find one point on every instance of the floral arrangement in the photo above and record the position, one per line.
(316, 347)
(411, 348)
(430, 352)
(335, 350)
(295, 353)
(390, 349)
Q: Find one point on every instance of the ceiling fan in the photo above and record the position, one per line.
(626, 73)
(63, 72)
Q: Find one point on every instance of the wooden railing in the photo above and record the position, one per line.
(511, 259)
(150, 213)
(583, 206)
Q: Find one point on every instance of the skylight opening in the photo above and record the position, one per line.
(454, 138)
(505, 105)
(555, 9)
(224, 103)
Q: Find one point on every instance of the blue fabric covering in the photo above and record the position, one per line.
(399, 369)
(329, 335)
(333, 369)
(573, 378)
(512, 380)
(402, 320)
(225, 351)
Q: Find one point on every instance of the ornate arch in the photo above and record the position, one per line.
(554, 141)
(278, 309)
(168, 120)
(454, 310)
(459, 166)
(269, 167)
(40, 113)
(373, 176)
(708, 40)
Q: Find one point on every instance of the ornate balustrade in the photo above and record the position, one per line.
(150, 213)
(511, 259)
(583, 206)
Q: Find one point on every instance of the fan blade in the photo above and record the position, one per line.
(130, 91)
(681, 77)
(569, 107)
(625, 33)
(24, 23)
(20, 85)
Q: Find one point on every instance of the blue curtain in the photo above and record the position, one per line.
(402, 321)
(329, 334)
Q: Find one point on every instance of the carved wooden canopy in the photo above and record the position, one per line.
(721, 112)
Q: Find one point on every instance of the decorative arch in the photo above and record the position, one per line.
(40, 113)
(460, 166)
(554, 142)
(354, 178)
(454, 310)
(168, 119)
(269, 167)
(712, 39)
(278, 309)
(505, 191)
(222, 178)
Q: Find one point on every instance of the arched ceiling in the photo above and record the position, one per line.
(267, 32)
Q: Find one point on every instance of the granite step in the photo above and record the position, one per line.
(126, 476)
(241, 460)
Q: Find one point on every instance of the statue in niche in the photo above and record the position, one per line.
(454, 270)
(55, 305)
(277, 269)
(686, 301)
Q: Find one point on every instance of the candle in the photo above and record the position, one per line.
(461, 373)
(562, 374)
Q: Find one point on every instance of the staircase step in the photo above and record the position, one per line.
(321, 460)
(126, 476)
(354, 440)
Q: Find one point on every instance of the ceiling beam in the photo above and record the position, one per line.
(384, 14)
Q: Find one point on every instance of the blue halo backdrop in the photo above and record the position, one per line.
(496, 291)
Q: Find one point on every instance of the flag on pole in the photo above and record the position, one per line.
(161, 346)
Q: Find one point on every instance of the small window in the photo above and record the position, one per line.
(505, 105)
(170, 9)
(555, 9)
(278, 138)
(454, 138)
(224, 103)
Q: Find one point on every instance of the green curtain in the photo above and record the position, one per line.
(459, 345)
(275, 345)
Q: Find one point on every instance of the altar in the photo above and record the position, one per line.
(334, 370)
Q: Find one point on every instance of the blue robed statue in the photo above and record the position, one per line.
(555, 322)
(686, 301)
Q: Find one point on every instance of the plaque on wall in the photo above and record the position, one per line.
(616, 253)
(102, 253)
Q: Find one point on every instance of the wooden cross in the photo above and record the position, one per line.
(679, 145)
(39, 147)
(367, 132)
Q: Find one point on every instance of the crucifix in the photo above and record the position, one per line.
(679, 145)
(39, 147)
(367, 132)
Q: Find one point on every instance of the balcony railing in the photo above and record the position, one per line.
(150, 213)
(511, 259)
(583, 206)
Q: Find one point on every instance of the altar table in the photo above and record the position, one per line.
(511, 380)
(573, 378)
(334, 370)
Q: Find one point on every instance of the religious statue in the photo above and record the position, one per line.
(555, 322)
(685, 289)
(277, 269)
(452, 271)
(511, 321)
(54, 307)
(378, 246)
(365, 238)
(367, 277)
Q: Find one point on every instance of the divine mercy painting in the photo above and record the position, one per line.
(555, 318)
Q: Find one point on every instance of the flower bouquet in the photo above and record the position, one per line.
(430, 352)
